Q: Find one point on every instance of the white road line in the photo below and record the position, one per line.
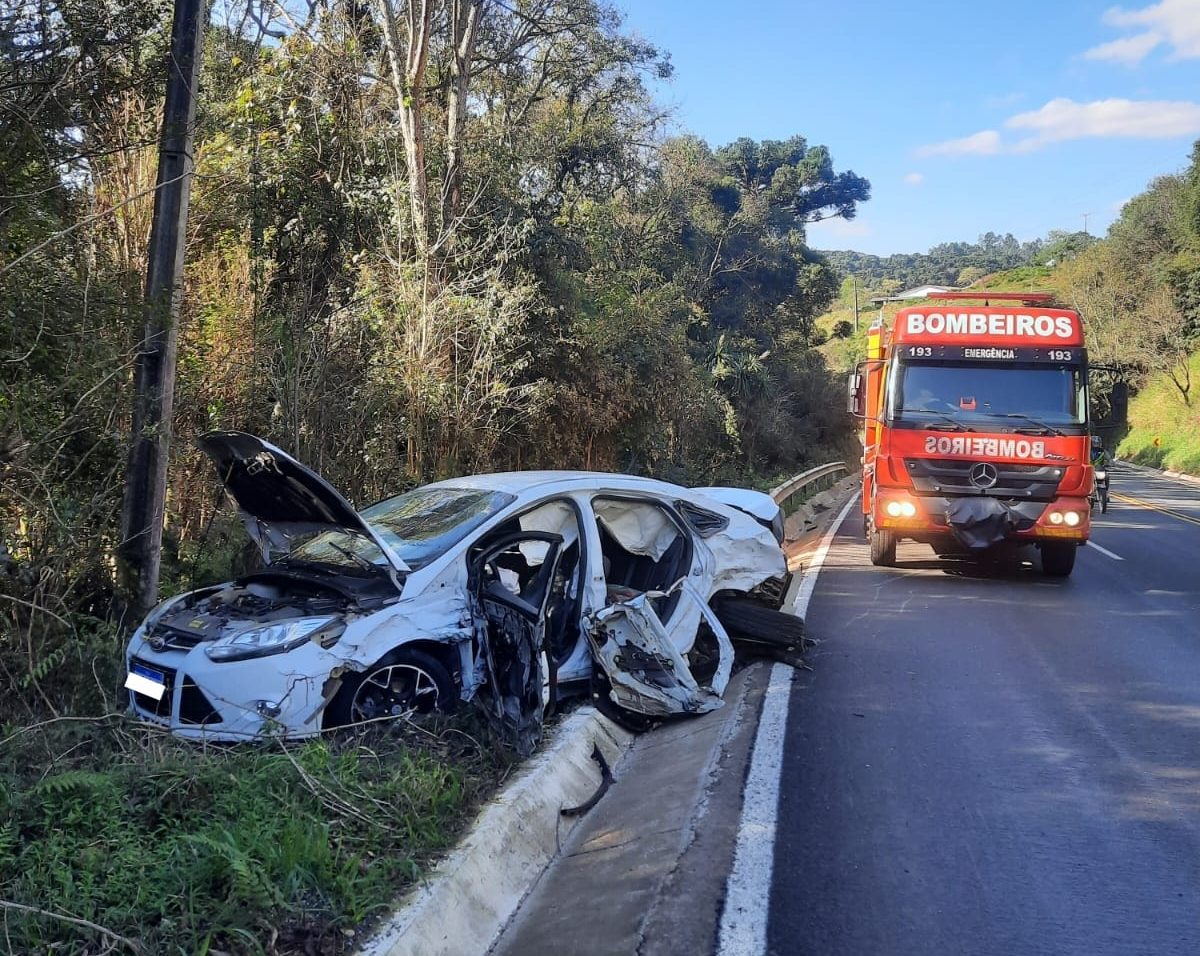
(743, 929)
(1105, 551)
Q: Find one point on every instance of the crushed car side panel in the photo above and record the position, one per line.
(642, 655)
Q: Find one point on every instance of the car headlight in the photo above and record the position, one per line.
(276, 638)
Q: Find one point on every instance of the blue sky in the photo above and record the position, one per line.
(1011, 117)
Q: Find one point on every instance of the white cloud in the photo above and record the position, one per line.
(1128, 50)
(1175, 23)
(984, 143)
(1063, 119)
(914, 179)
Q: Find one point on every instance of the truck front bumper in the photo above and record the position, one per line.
(925, 517)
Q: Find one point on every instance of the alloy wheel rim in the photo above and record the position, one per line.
(397, 690)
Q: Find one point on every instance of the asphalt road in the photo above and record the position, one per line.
(990, 761)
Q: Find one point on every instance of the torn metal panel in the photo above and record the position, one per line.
(647, 673)
(510, 655)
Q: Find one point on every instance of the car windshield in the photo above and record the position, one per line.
(1048, 394)
(419, 526)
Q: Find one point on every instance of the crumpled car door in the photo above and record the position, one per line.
(510, 583)
(647, 673)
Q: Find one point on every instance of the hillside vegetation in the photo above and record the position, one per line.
(949, 263)
(1164, 429)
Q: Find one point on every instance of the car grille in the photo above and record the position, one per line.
(160, 708)
(953, 477)
(194, 706)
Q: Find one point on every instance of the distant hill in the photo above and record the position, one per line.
(950, 263)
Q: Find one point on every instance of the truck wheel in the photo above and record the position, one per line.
(883, 547)
(1058, 558)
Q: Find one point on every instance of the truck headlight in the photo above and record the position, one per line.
(278, 638)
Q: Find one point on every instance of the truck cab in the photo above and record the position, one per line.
(976, 428)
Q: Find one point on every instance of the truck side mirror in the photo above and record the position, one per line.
(856, 396)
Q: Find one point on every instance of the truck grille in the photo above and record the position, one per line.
(950, 476)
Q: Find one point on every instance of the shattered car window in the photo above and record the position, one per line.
(419, 525)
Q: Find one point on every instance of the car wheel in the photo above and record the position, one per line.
(745, 617)
(406, 683)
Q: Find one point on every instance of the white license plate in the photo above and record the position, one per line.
(146, 680)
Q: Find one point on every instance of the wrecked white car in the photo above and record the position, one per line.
(506, 589)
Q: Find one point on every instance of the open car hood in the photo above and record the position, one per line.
(280, 498)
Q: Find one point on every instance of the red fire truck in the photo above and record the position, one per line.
(975, 433)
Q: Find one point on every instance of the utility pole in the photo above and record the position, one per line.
(1085, 219)
(154, 371)
(854, 280)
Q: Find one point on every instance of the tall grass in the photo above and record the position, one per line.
(177, 848)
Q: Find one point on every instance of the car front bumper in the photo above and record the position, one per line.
(232, 700)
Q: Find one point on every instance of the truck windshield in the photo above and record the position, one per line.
(971, 393)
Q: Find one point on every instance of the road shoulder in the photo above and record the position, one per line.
(642, 849)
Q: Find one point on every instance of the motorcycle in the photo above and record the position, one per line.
(1100, 492)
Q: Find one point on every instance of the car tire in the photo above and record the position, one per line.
(404, 683)
(746, 617)
(883, 548)
(1058, 558)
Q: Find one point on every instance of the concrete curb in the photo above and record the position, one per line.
(472, 894)
(1177, 475)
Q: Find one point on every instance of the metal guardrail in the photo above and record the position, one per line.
(810, 482)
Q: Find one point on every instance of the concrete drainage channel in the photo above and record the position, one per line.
(635, 849)
(473, 892)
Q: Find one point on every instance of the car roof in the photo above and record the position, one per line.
(519, 482)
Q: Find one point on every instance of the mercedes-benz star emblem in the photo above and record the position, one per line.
(984, 475)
